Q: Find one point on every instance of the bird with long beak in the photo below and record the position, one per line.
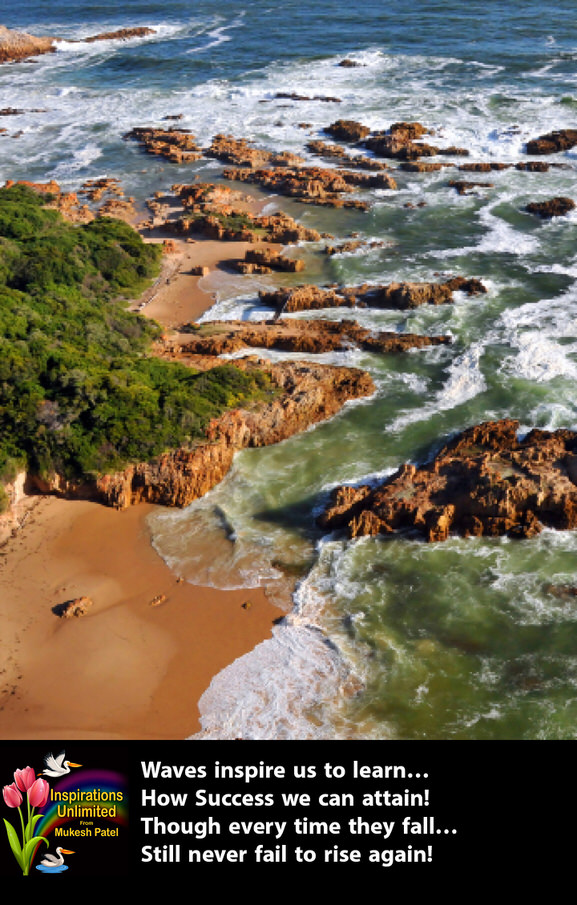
(57, 766)
(56, 860)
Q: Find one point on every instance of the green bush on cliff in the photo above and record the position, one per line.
(79, 391)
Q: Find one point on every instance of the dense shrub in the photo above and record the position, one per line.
(79, 391)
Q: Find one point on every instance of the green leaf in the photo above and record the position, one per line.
(30, 826)
(30, 846)
(14, 843)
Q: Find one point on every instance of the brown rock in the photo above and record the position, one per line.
(401, 142)
(219, 212)
(486, 481)
(348, 130)
(465, 188)
(19, 45)
(272, 260)
(556, 207)
(176, 145)
(241, 153)
(340, 156)
(553, 142)
(533, 166)
(122, 34)
(312, 337)
(404, 295)
(484, 167)
(75, 608)
(314, 185)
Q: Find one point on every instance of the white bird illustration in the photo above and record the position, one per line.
(57, 766)
(53, 861)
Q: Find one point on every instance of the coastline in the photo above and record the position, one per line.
(126, 670)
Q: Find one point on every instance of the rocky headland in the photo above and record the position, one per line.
(487, 481)
(305, 394)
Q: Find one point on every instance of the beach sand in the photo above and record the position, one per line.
(127, 669)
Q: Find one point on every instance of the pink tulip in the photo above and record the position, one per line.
(12, 795)
(38, 793)
(24, 778)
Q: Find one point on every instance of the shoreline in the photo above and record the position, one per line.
(126, 670)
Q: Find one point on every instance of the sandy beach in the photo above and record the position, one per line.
(128, 669)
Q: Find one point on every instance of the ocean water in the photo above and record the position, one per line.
(382, 639)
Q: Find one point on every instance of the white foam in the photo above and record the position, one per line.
(465, 380)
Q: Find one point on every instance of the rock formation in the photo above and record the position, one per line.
(74, 608)
(339, 156)
(306, 394)
(176, 145)
(465, 188)
(348, 130)
(266, 260)
(555, 207)
(392, 295)
(218, 212)
(240, 153)
(553, 142)
(19, 45)
(122, 34)
(314, 185)
(486, 481)
(304, 336)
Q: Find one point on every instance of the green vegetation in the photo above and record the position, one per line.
(235, 224)
(79, 391)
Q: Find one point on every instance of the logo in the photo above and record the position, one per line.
(62, 803)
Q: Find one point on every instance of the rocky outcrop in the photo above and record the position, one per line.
(19, 45)
(314, 185)
(310, 336)
(240, 153)
(349, 246)
(339, 156)
(465, 188)
(348, 130)
(486, 481)
(104, 194)
(555, 207)
(218, 212)
(72, 609)
(401, 142)
(293, 96)
(306, 394)
(484, 167)
(266, 260)
(176, 145)
(553, 142)
(122, 34)
(67, 203)
(392, 295)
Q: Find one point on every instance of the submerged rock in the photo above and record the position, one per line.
(486, 481)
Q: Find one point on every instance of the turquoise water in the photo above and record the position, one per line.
(466, 639)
